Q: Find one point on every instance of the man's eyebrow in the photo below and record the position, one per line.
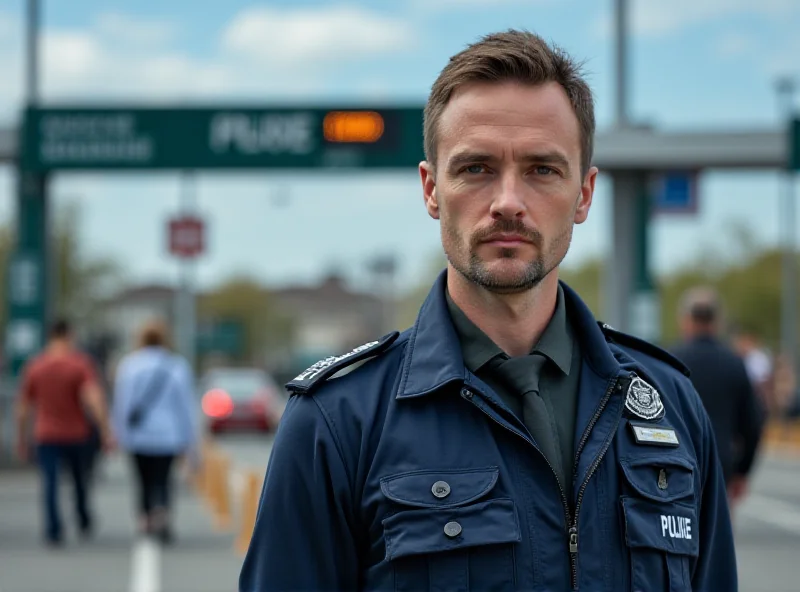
(544, 158)
(555, 158)
(463, 158)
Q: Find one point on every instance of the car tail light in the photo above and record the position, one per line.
(217, 404)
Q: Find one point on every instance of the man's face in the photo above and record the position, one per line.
(507, 187)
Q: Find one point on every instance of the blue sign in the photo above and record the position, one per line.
(674, 192)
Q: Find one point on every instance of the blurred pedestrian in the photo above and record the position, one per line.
(720, 377)
(156, 420)
(759, 365)
(507, 441)
(60, 387)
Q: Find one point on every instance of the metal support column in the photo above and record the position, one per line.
(27, 280)
(630, 298)
(185, 306)
(617, 278)
(788, 218)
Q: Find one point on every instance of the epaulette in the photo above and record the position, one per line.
(641, 345)
(314, 375)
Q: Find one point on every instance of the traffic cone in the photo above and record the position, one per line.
(209, 469)
(250, 496)
(222, 501)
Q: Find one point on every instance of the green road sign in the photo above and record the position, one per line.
(225, 336)
(221, 138)
(794, 145)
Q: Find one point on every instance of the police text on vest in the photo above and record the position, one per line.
(677, 527)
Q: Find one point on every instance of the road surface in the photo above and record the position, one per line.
(202, 559)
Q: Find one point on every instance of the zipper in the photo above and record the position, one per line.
(616, 384)
(467, 394)
(571, 520)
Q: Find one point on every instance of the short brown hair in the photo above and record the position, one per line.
(154, 333)
(701, 304)
(512, 56)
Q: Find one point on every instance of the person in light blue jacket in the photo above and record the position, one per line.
(155, 418)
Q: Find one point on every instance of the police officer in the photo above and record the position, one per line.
(507, 441)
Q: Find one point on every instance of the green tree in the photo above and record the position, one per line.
(82, 282)
(243, 300)
(750, 291)
(586, 279)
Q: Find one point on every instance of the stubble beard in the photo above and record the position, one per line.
(464, 258)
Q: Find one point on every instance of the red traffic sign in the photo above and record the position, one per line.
(186, 236)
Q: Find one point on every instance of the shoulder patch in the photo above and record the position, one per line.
(650, 349)
(311, 377)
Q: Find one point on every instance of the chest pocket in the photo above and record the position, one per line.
(446, 535)
(661, 529)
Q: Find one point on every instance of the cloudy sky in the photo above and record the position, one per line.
(695, 64)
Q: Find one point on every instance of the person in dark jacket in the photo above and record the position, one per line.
(721, 379)
(507, 441)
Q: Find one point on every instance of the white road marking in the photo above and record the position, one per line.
(774, 512)
(145, 566)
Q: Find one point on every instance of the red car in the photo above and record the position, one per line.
(241, 399)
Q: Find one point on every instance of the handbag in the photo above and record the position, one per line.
(155, 387)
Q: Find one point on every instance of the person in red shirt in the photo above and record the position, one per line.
(58, 388)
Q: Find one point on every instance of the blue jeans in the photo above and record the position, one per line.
(51, 458)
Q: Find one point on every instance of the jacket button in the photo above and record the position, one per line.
(452, 529)
(466, 393)
(440, 489)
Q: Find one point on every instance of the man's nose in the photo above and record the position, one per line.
(508, 202)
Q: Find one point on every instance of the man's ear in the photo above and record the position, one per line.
(428, 177)
(585, 198)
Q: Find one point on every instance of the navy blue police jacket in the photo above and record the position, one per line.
(408, 473)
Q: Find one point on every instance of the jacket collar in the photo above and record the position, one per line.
(433, 354)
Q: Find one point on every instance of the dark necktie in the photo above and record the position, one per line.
(521, 376)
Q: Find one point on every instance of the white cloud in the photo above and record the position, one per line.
(662, 17)
(119, 57)
(736, 44)
(122, 28)
(331, 33)
(79, 63)
(71, 56)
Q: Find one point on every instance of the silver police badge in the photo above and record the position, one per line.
(643, 400)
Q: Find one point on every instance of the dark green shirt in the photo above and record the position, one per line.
(550, 376)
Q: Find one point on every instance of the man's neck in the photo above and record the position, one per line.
(515, 322)
(701, 334)
(59, 347)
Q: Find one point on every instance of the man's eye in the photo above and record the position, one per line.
(475, 169)
(544, 170)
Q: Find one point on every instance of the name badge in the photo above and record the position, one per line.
(653, 435)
